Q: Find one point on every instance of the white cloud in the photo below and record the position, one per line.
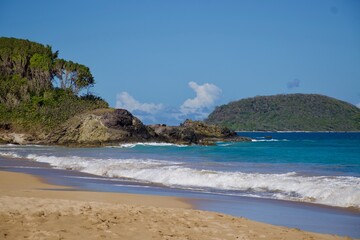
(206, 95)
(196, 108)
(125, 100)
(358, 105)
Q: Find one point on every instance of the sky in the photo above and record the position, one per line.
(168, 60)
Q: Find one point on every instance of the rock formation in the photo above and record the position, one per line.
(113, 126)
(102, 126)
(196, 132)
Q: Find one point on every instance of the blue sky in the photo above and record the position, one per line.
(170, 60)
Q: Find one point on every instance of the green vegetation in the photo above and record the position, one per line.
(292, 112)
(39, 91)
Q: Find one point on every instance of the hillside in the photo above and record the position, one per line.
(289, 112)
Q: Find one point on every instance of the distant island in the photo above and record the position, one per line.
(287, 112)
(47, 100)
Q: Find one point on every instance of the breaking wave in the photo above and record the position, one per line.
(269, 140)
(10, 154)
(330, 190)
(152, 144)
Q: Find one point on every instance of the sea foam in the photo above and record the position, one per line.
(10, 154)
(330, 190)
(152, 144)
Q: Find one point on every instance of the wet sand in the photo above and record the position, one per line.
(33, 209)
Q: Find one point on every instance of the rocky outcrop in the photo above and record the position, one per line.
(114, 126)
(196, 132)
(16, 138)
(102, 126)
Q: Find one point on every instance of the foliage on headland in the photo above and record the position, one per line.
(45, 99)
(38, 90)
(287, 112)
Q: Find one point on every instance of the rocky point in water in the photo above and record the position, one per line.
(196, 132)
(111, 126)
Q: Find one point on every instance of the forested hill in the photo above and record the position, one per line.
(39, 90)
(288, 112)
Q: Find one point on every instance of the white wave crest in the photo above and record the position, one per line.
(9, 154)
(269, 140)
(224, 144)
(329, 190)
(152, 144)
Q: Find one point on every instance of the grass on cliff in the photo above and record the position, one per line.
(38, 90)
(45, 112)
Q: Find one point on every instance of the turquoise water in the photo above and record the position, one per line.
(319, 168)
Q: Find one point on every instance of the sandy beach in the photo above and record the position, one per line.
(33, 209)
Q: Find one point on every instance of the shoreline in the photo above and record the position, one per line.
(18, 163)
(14, 184)
(44, 210)
(75, 176)
(310, 217)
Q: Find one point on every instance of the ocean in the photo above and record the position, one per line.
(303, 168)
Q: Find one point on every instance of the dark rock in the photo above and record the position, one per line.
(122, 119)
(5, 126)
(196, 132)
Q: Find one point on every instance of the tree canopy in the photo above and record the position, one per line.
(28, 68)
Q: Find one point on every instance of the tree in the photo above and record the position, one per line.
(84, 79)
(29, 69)
(73, 76)
(40, 69)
